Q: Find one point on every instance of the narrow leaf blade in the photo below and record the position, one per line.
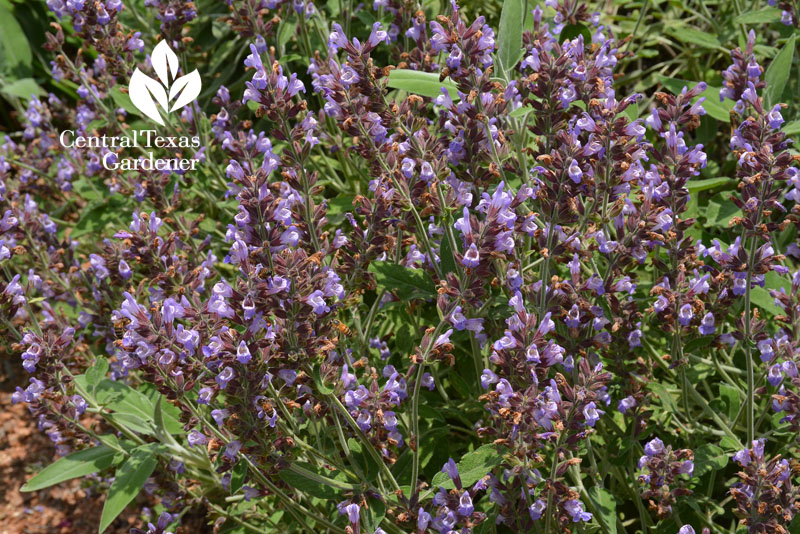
(130, 478)
(421, 83)
(778, 73)
(75, 465)
(509, 46)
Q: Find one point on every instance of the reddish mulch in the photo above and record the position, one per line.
(63, 509)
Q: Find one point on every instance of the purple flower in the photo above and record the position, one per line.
(204, 395)
(232, 449)
(573, 318)
(488, 377)
(575, 172)
(225, 376)
(79, 403)
(353, 511)
(442, 339)
(196, 438)
(575, 509)
(592, 414)
(707, 324)
(243, 353)
(775, 118)
(317, 302)
(423, 519)
(465, 507)
(537, 509)
(451, 469)
(775, 375)
(654, 447)
(626, 404)
(472, 257)
(685, 314)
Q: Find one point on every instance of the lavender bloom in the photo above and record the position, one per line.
(707, 327)
(575, 510)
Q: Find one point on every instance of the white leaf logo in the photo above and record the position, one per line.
(145, 92)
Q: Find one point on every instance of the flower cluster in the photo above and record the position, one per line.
(661, 468)
(367, 278)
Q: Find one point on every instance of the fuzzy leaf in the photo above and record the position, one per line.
(75, 465)
(695, 186)
(778, 73)
(472, 467)
(762, 16)
(406, 282)
(22, 88)
(15, 50)
(606, 508)
(421, 83)
(130, 478)
(709, 457)
(695, 37)
(509, 38)
(571, 31)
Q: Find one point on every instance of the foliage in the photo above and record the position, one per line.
(486, 268)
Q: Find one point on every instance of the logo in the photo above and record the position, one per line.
(169, 92)
(156, 99)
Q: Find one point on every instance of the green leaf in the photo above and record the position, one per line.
(730, 397)
(22, 88)
(122, 100)
(521, 111)
(131, 407)
(778, 73)
(238, 477)
(98, 215)
(375, 511)
(571, 31)
(473, 466)
(695, 37)
(728, 444)
(761, 297)
(421, 83)
(365, 462)
(406, 282)
(709, 457)
(764, 300)
(130, 478)
(446, 256)
(74, 465)
(286, 32)
(632, 111)
(322, 387)
(664, 396)
(792, 127)
(509, 38)
(606, 508)
(762, 16)
(698, 343)
(307, 485)
(97, 372)
(719, 213)
(695, 186)
(15, 50)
